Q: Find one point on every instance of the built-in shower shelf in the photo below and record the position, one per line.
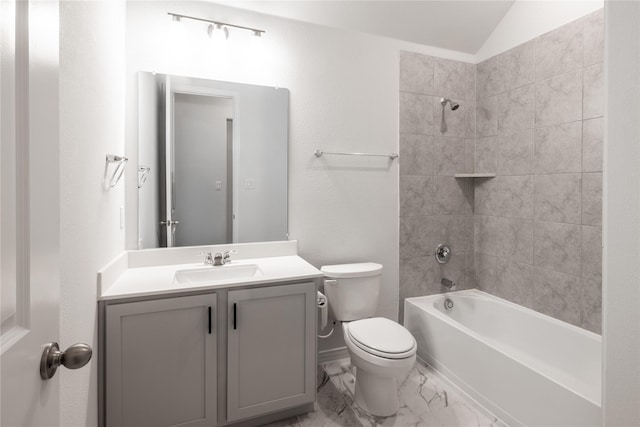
(475, 175)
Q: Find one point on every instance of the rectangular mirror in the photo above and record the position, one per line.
(212, 162)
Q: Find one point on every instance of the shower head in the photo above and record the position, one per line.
(454, 105)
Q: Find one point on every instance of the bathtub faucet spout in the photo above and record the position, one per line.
(449, 285)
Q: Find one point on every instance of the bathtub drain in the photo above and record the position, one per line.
(448, 304)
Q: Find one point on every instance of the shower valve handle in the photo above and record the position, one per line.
(443, 253)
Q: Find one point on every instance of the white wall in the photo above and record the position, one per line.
(621, 191)
(91, 125)
(460, 25)
(529, 19)
(344, 97)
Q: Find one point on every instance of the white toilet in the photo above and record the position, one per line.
(382, 350)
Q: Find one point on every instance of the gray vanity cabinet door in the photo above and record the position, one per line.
(271, 349)
(161, 363)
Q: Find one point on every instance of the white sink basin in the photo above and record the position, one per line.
(216, 274)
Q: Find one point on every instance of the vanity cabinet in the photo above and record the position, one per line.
(270, 352)
(233, 356)
(161, 362)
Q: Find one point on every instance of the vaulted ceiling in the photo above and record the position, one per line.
(461, 25)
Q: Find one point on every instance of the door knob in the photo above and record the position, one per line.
(73, 357)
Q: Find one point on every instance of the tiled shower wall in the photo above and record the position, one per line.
(434, 206)
(534, 231)
(538, 224)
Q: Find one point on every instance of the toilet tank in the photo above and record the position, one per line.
(352, 290)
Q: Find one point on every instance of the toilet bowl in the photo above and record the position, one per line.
(382, 351)
(383, 357)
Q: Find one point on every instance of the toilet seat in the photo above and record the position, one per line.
(378, 375)
(382, 337)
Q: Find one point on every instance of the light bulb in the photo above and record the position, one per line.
(256, 40)
(218, 33)
(176, 25)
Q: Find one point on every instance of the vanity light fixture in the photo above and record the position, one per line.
(216, 27)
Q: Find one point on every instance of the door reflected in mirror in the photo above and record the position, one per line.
(214, 159)
(202, 196)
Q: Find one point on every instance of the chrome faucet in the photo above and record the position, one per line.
(218, 259)
(222, 258)
(450, 285)
(226, 256)
(208, 258)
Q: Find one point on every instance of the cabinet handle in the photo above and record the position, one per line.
(234, 315)
(209, 320)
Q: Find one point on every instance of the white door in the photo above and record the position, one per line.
(29, 210)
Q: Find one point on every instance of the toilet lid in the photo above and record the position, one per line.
(363, 269)
(382, 337)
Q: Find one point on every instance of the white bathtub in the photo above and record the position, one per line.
(526, 368)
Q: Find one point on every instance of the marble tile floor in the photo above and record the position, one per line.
(425, 401)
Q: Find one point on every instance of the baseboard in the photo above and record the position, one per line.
(277, 416)
(332, 354)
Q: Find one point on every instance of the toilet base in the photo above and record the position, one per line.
(378, 395)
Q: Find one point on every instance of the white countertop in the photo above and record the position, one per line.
(127, 277)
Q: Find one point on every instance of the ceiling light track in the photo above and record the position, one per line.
(176, 16)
